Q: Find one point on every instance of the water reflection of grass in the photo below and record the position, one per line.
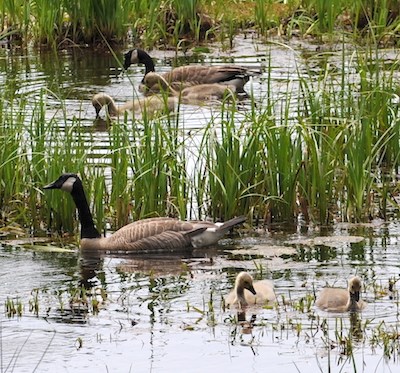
(337, 339)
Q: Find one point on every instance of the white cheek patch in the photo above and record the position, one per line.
(68, 184)
(134, 56)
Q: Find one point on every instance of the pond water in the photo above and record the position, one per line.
(166, 314)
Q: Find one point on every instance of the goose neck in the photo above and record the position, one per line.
(240, 298)
(148, 63)
(88, 230)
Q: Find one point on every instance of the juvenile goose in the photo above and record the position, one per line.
(341, 300)
(184, 76)
(149, 105)
(248, 292)
(144, 236)
(193, 94)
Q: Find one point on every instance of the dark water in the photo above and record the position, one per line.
(166, 314)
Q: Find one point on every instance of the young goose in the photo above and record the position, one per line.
(185, 76)
(149, 105)
(193, 94)
(248, 292)
(341, 300)
(151, 235)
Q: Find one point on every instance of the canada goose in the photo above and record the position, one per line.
(193, 94)
(144, 236)
(248, 292)
(149, 105)
(184, 76)
(341, 300)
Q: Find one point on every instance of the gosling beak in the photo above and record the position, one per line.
(252, 290)
(355, 296)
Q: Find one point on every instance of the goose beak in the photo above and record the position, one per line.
(252, 290)
(51, 185)
(355, 296)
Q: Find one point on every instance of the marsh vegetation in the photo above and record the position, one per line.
(311, 158)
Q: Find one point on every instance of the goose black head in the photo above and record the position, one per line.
(138, 56)
(128, 58)
(64, 182)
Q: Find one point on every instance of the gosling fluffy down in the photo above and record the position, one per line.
(333, 299)
(148, 105)
(196, 94)
(246, 292)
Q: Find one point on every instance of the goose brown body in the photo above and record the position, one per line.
(149, 105)
(153, 235)
(194, 94)
(187, 76)
(248, 292)
(333, 299)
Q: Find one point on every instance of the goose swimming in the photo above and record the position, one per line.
(153, 235)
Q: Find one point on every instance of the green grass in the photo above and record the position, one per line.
(327, 148)
(181, 23)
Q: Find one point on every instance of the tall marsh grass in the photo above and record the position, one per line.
(327, 150)
(176, 23)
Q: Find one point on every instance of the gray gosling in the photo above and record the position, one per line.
(186, 76)
(151, 105)
(333, 299)
(147, 236)
(246, 292)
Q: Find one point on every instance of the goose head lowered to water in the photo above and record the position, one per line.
(186, 76)
(151, 105)
(153, 235)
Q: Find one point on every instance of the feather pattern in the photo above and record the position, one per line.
(187, 76)
(153, 235)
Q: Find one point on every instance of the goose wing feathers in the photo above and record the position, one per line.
(188, 76)
(168, 241)
(153, 235)
(206, 74)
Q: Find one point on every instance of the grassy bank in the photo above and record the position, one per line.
(176, 23)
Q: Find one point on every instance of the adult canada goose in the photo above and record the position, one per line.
(151, 235)
(248, 292)
(193, 94)
(185, 76)
(149, 105)
(333, 299)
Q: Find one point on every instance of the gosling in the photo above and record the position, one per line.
(246, 292)
(332, 299)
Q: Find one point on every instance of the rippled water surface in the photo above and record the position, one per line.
(166, 314)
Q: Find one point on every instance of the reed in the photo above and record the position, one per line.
(334, 158)
(177, 23)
